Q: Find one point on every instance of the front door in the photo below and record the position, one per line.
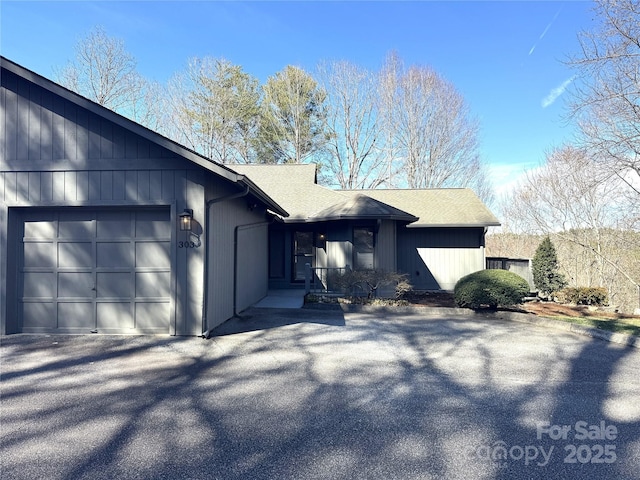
(302, 254)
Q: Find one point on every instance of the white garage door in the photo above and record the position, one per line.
(96, 271)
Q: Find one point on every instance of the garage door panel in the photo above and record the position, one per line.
(153, 254)
(151, 314)
(38, 255)
(113, 225)
(113, 285)
(75, 254)
(75, 284)
(41, 315)
(152, 224)
(76, 225)
(39, 229)
(114, 315)
(153, 284)
(75, 315)
(40, 284)
(114, 255)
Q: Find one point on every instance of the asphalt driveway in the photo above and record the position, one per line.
(303, 394)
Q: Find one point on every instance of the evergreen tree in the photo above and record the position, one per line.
(293, 121)
(546, 277)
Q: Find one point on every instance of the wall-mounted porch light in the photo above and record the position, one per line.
(186, 220)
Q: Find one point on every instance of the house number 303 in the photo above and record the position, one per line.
(187, 245)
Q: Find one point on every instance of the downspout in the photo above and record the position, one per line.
(235, 270)
(483, 247)
(205, 281)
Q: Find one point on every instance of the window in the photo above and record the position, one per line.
(363, 248)
(302, 253)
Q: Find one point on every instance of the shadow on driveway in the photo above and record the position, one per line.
(318, 395)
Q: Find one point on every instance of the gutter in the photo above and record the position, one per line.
(205, 280)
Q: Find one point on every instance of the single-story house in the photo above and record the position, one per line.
(435, 236)
(93, 208)
(109, 227)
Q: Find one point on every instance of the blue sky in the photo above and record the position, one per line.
(505, 57)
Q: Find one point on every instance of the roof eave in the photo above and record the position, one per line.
(454, 225)
(360, 217)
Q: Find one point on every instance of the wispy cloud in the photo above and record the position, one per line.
(545, 31)
(556, 92)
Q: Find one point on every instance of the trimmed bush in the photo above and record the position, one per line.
(491, 289)
(597, 296)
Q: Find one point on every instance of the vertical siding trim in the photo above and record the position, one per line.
(106, 139)
(119, 185)
(58, 186)
(155, 185)
(143, 187)
(58, 129)
(8, 134)
(22, 187)
(70, 179)
(34, 125)
(94, 147)
(46, 186)
(82, 134)
(35, 193)
(94, 185)
(82, 186)
(131, 185)
(46, 129)
(22, 123)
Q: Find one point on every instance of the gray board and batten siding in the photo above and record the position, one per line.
(89, 203)
(436, 258)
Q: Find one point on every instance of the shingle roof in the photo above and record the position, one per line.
(447, 207)
(361, 207)
(293, 187)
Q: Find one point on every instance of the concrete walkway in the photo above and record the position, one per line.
(282, 299)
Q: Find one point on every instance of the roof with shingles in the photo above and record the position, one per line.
(446, 207)
(361, 207)
(293, 187)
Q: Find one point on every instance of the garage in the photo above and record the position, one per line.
(104, 271)
(90, 237)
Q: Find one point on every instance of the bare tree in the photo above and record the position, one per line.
(606, 100)
(215, 107)
(103, 71)
(387, 98)
(432, 130)
(356, 159)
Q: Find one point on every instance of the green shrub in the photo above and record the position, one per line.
(490, 288)
(584, 296)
